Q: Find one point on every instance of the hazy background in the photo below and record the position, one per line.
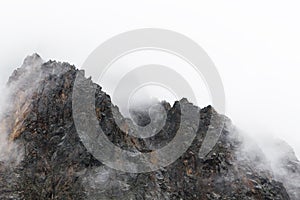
(254, 44)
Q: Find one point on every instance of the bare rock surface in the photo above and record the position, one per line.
(56, 165)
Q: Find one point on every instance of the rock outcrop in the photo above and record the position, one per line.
(56, 165)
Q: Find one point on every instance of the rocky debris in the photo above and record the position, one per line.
(56, 164)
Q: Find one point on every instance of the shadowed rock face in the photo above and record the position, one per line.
(56, 165)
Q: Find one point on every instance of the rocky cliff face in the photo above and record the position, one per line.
(46, 159)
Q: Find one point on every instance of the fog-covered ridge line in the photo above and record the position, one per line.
(50, 161)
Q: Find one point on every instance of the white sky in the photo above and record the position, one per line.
(254, 44)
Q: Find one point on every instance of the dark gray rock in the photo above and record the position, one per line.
(56, 165)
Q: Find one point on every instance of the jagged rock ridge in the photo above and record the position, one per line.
(56, 165)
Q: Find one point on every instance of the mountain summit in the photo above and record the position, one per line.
(43, 156)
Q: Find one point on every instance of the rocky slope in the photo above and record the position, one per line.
(46, 159)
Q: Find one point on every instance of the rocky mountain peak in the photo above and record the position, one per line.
(55, 164)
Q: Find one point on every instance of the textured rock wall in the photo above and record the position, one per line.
(56, 165)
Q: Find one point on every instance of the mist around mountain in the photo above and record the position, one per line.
(43, 157)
